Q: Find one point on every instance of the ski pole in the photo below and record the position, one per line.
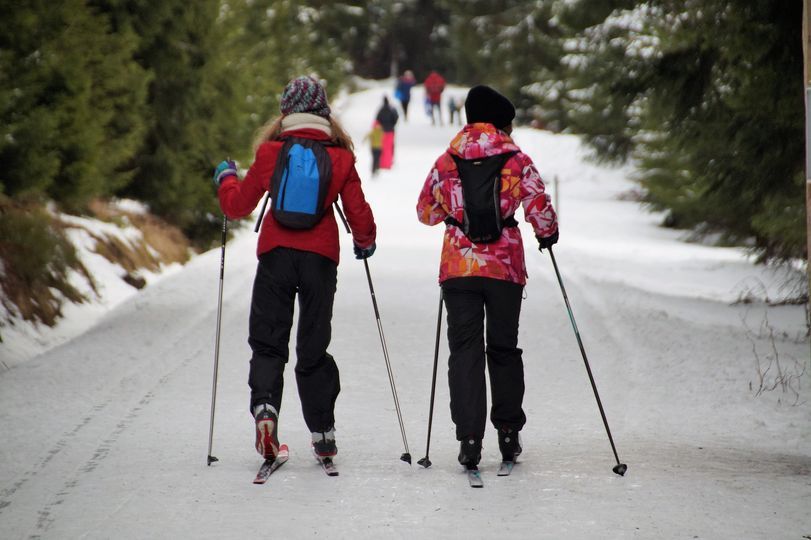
(262, 212)
(211, 458)
(620, 468)
(406, 456)
(343, 218)
(425, 462)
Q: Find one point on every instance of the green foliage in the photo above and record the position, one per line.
(217, 70)
(507, 44)
(36, 259)
(32, 249)
(270, 42)
(706, 96)
(69, 95)
(190, 97)
(382, 38)
(141, 98)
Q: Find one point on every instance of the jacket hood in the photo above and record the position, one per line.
(481, 140)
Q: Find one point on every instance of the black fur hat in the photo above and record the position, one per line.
(483, 104)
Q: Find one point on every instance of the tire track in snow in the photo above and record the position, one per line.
(83, 448)
(45, 515)
(54, 451)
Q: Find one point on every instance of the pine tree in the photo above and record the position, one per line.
(70, 95)
(270, 42)
(706, 96)
(191, 95)
(507, 44)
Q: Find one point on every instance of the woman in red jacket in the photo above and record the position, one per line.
(297, 261)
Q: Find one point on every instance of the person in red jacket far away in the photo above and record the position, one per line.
(299, 262)
(434, 86)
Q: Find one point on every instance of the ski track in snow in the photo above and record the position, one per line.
(105, 436)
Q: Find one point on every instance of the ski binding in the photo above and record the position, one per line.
(271, 465)
(328, 465)
(474, 477)
(506, 468)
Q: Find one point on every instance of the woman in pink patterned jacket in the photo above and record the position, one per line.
(479, 278)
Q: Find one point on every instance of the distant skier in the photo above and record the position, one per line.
(375, 138)
(402, 91)
(297, 261)
(482, 270)
(434, 86)
(454, 110)
(387, 116)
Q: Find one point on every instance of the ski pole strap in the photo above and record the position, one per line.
(509, 221)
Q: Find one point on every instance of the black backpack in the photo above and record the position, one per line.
(481, 189)
(300, 183)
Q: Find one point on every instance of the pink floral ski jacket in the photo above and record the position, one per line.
(521, 184)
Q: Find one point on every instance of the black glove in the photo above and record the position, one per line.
(364, 253)
(548, 241)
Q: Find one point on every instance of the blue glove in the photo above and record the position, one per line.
(224, 169)
(548, 241)
(364, 253)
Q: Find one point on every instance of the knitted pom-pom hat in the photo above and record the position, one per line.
(304, 95)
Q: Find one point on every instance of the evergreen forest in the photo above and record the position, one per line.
(140, 98)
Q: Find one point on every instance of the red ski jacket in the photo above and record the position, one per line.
(239, 198)
(434, 86)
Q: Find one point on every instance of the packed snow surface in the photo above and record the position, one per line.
(105, 435)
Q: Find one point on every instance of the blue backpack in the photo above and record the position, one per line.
(300, 183)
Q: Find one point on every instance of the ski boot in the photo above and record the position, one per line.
(470, 451)
(324, 444)
(267, 424)
(509, 442)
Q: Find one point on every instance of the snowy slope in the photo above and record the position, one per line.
(23, 340)
(105, 436)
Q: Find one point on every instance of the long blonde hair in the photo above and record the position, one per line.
(272, 131)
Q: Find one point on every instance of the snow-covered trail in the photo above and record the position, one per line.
(106, 436)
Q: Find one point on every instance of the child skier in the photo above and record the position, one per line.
(375, 138)
(486, 274)
(297, 261)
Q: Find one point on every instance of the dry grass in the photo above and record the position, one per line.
(30, 292)
(36, 258)
(167, 240)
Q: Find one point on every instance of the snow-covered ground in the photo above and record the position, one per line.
(105, 436)
(23, 340)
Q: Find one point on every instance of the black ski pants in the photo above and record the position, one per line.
(469, 302)
(280, 274)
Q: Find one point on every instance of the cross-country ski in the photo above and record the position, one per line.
(505, 468)
(474, 477)
(328, 465)
(269, 466)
